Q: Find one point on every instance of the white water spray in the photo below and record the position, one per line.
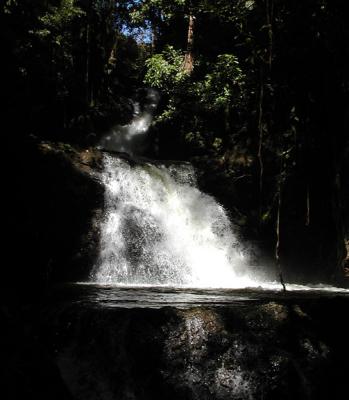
(159, 229)
(133, 136)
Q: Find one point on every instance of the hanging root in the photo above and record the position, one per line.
(281, 278)
(277, 247)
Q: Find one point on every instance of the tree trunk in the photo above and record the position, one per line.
(260, 143)
(188, 64)
(89, 57)
(87, 72)
(270, 16)
(278, 220)
(154, 38)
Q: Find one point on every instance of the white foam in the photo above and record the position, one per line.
(159, 229)
(132, 138)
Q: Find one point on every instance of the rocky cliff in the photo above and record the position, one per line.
(54, 199)
(269, 349)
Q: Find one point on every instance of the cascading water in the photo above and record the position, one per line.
(159, 229)
(132, 138)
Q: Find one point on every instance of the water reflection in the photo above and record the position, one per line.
(92, 295)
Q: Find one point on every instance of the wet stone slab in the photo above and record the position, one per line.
(257, 347)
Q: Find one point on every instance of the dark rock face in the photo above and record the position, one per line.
(265, 350)
(27, 371)
(54, 202)
(76, 206)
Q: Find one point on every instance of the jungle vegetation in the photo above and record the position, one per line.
(253, 92)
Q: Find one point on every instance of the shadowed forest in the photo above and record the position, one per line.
(251, 97)
(254, 93)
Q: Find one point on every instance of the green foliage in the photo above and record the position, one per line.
(155, 10)
(165, 70)
(67, 65)
(58, 20)
(55, 30)
(223, 86)
(8, 4)
(215, 95)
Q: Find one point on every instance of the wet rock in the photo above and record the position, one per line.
(54, 202)
(265, 350)
(27, 371)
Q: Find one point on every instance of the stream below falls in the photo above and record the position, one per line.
(149, 343)
(174, 308)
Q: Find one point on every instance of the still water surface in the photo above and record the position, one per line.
(111, 296)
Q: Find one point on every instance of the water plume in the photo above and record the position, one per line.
(160, 229)
(132, 137)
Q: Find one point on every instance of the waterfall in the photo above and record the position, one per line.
(132, 138)
(160, 229)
